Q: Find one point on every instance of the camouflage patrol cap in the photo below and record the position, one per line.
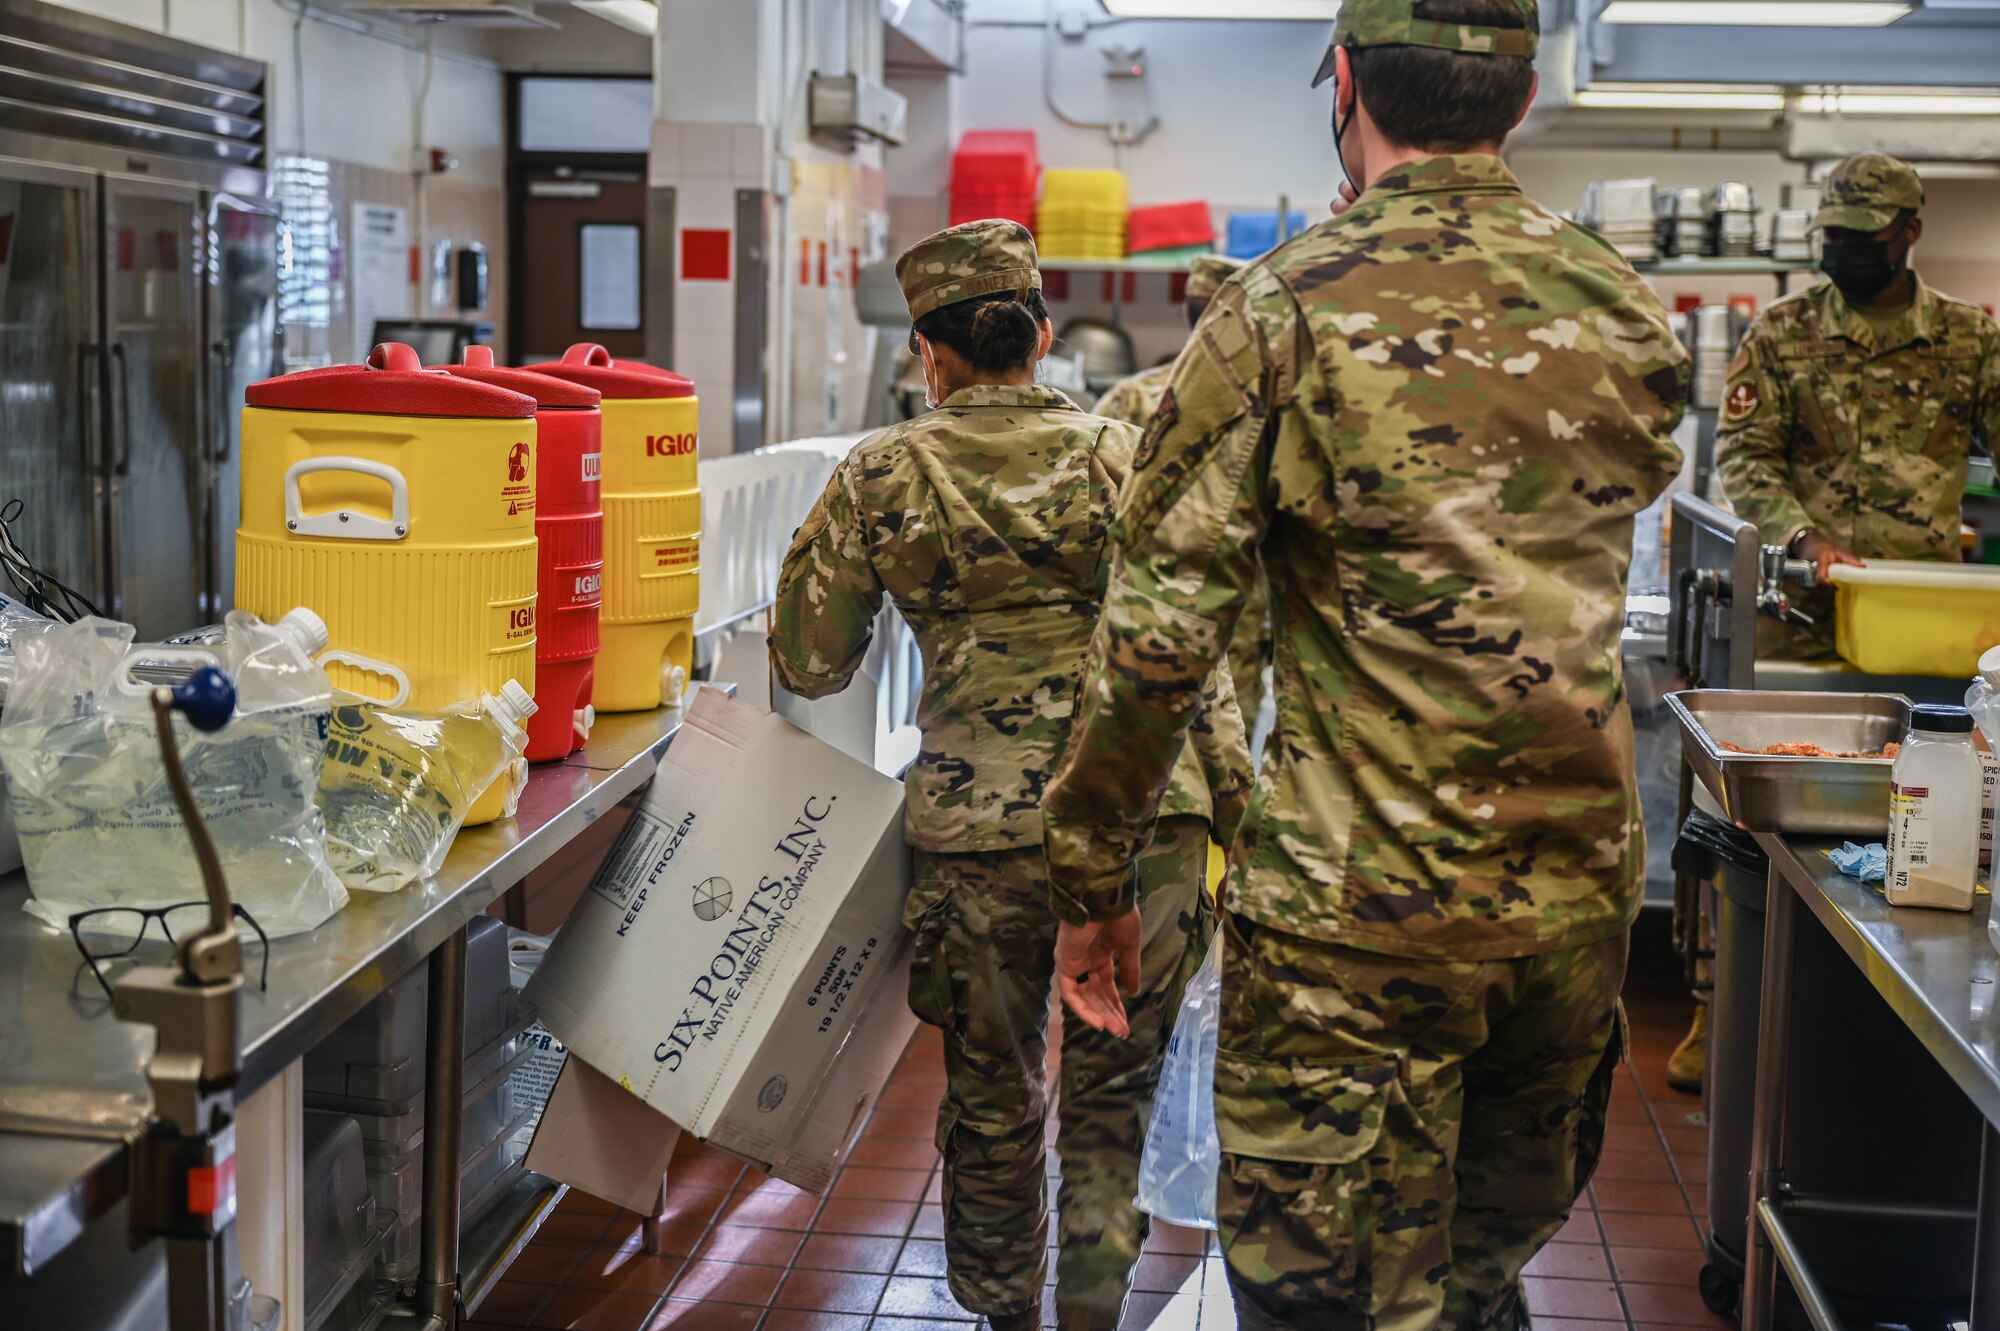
(1866, 191)
(1207, 274)
(1395, 23)
(970, 260)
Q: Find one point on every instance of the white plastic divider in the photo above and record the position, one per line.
(751, 505)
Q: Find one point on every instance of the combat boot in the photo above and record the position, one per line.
(1688, 1064)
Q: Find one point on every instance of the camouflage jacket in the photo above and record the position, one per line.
(1435, 418)
(1824, 428)
(1134, 400)
(986, 522)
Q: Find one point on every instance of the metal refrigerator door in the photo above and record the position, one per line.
(49, 370)
(155, 365)
(242, 349)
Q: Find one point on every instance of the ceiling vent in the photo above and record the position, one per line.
(75, 76)
(459, 13)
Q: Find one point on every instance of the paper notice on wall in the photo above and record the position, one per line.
(381, 269)
(609, 277)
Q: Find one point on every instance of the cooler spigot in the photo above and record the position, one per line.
(1776, 569)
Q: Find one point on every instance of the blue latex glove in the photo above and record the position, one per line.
(1869, 863)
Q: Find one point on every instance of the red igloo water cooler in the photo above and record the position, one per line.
(569, 533)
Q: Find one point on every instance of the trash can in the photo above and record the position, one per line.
(1869, 1113)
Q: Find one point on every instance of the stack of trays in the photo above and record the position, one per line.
(1733, 220)
(345, 1230)
(1626, 213)
(995, 173)
(371, 1071)
(1792, 238)
(1083, 215)
(1684, 222)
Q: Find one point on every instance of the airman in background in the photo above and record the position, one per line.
(986, 523)
(1852, 406)
(1135, 400)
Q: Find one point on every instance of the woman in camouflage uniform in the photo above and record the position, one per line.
(987, 523)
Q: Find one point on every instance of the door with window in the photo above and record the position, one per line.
(584, 233)
(576, 184)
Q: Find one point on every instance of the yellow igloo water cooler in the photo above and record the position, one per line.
(652, 527)
(399, 504)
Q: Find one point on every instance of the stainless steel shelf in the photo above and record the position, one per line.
(1135, 265)
(490, 1244)
(1712, 266)
(72, 1086)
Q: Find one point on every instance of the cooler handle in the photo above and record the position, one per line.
(153, 651)
(587, 353)
(373, 667)
(340, 523)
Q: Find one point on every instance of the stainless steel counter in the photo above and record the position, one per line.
(1938, 970)
(72, 1087)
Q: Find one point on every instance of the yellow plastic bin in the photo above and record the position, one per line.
(652, 527)
(399, 504)
(1902, 617)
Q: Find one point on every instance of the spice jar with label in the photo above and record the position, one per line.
(1934, 798)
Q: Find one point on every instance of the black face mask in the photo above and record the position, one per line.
(1860, 266)
(1339, 133)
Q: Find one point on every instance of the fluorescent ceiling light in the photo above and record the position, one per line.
(1899, 104)
(1757, 13)
(1652, 97)
(1322, 11)
(640, 16)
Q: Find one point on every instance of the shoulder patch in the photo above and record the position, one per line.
(1165, 417)
(1744, 399)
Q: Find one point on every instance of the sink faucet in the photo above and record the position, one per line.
(1775, 570)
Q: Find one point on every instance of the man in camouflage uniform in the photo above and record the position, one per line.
(1434, 418)
(1852, 405)
(986, 523)
(1135, 400)
(1849, 413)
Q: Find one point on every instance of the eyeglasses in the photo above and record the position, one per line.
(129, 924)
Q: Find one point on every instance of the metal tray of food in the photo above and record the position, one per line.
(1724, 733)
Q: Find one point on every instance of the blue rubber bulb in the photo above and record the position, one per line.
(207, 699)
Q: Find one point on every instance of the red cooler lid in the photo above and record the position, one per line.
(547, 390)
(393, 383)
(590, 364)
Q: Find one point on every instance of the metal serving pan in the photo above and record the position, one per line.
(1823, 796)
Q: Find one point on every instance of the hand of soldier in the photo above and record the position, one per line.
(1824, 554)
(1094, 962)
(1345, 199)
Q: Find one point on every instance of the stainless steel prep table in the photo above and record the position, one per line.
(1939, 973)
(72, 1089)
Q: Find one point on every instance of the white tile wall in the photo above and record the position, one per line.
(708, 150)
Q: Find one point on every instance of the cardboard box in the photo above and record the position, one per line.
(597, 1136)
(740, 962)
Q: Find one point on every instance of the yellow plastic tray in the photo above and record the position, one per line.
(1898, 617)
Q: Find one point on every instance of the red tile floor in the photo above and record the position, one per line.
(743, 1252)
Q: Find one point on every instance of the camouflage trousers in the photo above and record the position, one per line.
(1400, 1137)
(984, 971)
